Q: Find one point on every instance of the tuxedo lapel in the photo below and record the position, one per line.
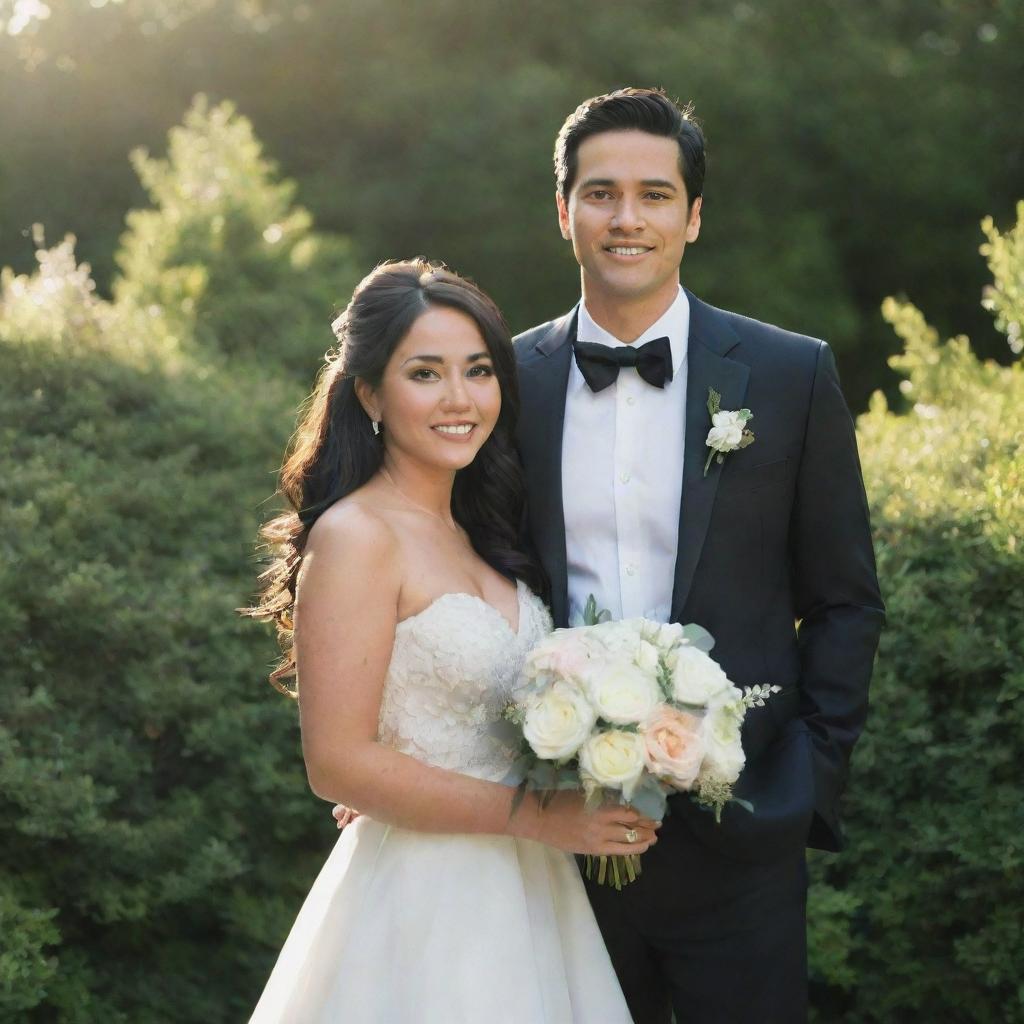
(543, 379)
(711, 337)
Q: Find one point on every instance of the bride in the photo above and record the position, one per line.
(412, 609)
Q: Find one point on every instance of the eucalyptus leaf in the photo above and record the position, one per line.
(517, 774)
(698, 636)
(505, 732)
(517, 798)
(650, 800)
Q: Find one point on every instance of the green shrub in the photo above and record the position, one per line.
(921, 918)
(225, 251)
(158, 833)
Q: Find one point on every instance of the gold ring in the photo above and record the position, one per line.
(631, 835)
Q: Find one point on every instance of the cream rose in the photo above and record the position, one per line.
(558, 721)
(614, 759)
(723, 748)
(674, 746)
(621, 692)
(726, 431)
(696, 677)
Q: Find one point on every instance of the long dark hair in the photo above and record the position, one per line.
(334, 450)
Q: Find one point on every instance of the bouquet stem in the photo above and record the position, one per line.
(617, 870)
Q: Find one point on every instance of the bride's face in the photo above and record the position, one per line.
(439, 398)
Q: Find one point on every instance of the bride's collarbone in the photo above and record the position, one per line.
(437, 561)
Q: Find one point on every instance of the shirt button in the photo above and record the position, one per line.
(630, 570)
(625, 478)
(630, 400)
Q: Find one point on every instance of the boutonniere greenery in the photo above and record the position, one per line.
(728, 431)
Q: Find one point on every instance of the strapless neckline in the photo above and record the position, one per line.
(454, 594)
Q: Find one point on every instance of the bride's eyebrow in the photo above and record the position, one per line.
(440, 359)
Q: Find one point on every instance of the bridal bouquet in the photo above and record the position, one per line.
(637, 709)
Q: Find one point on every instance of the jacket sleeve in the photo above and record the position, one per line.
(837, 598)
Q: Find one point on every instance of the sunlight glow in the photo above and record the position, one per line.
(25, 12)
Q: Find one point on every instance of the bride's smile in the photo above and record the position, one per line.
(439, 398)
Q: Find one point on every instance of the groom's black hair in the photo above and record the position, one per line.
(646, 110)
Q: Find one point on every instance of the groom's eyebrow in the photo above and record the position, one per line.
(661, 183)
(440, 359)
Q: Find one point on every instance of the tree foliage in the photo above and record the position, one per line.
(835, 129)
(921, 916)
(157, 828)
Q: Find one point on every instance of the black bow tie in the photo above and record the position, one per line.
(600, 364)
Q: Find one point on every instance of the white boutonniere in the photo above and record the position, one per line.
(728, 431)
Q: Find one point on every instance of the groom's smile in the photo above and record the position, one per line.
(628, 250)
(628, 217)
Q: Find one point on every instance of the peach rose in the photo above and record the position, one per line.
(673, 746)
(561, 657)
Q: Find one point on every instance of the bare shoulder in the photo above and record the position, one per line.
(352, 545)
(353, 524)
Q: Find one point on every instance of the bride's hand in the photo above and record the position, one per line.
(566, 825)
(344, 815)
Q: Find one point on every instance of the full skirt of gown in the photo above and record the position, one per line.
(406, 927)
(439, 929)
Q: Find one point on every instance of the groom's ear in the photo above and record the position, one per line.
(563, 216)
(693, 221)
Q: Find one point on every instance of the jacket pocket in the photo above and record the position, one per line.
(752, 478)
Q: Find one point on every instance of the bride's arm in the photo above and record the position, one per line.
(345, 618)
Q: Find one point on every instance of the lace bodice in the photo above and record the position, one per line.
(453, 667)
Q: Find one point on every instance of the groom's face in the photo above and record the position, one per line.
(627, 216)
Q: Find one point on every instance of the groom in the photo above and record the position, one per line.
(767, 547)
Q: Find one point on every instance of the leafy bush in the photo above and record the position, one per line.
(158, 831)
(224, 249)
(922, 916)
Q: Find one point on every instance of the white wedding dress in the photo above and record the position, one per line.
(406, 927)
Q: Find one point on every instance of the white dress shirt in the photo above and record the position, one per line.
(622, 477)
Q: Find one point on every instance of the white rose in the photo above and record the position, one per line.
(647, 657)
(723, 749)
(696, 676)
(726, 431)
(615, 637)
(614, 759)
(621, 692)
(558, 721)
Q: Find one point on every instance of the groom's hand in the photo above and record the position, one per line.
(344, 815)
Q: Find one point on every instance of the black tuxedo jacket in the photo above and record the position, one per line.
(775, 559)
